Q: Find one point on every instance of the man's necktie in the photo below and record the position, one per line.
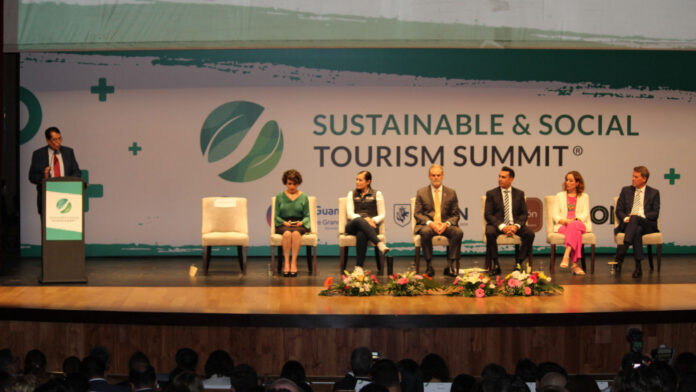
(56, 166)
(637, 202)
(507, 207)
(438, 212)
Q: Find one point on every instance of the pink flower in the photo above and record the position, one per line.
(482, 285)
(514, 283)
(498, 281)
(395, 276)
(402, 281)
(417, 277)
(534, 278)
(527, 290)
(456, 280)
(375, 279)
(480, 293)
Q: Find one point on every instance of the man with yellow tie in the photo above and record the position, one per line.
(437, 213)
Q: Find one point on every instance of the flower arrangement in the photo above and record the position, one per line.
(525, 283)
(360, 282)
(473, 283)
(406, 284)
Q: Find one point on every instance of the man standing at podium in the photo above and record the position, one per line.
(54, 160)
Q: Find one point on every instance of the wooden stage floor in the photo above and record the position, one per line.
(257, 299)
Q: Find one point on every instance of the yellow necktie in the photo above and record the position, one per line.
(438, 213)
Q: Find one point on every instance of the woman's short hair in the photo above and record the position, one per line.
(580, 188)
(292, 175)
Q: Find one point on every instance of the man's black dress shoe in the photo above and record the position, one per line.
(616, 265)
(449, 271)
(429, 270)
(638, 271)
(495, 268)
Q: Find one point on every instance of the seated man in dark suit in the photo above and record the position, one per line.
(437, 213)
(53, 160)
(143, 379)
(506, 213)
(360, 363)
(94, 369)
(637, 210)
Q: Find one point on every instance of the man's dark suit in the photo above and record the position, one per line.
(449, 212)
(100, 385)
(494, 213)
(39, 162)
(636, 226)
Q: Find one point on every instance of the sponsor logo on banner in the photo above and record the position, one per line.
(225, 128)
(535, 214)
(464, 215)
(63, 206)
(402, 214)
(329, 223)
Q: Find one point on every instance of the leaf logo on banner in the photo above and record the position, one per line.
(225, 128)
(64, 206)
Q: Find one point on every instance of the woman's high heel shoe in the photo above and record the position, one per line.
(577, 270)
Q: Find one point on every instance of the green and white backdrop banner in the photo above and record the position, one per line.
(156, 131)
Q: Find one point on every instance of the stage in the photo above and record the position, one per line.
(154, 305)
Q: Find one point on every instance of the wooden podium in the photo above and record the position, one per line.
(62, 231)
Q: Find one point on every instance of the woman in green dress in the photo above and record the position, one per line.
(291, 219)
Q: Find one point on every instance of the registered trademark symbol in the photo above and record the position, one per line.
(577, 150)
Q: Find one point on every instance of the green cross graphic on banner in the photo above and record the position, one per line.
(92, 191)
(134, 148)
(102, 89)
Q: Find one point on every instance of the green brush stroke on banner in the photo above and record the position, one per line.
(641, 70)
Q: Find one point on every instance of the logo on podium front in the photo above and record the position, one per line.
(63, 206)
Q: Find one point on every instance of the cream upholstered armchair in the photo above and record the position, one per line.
(225, 224)
(553, 238)
(438, 240)
(502, 239)
(346, 240)
(309, 240)
(648, 239)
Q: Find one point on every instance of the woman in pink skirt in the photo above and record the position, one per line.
(572, 218)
